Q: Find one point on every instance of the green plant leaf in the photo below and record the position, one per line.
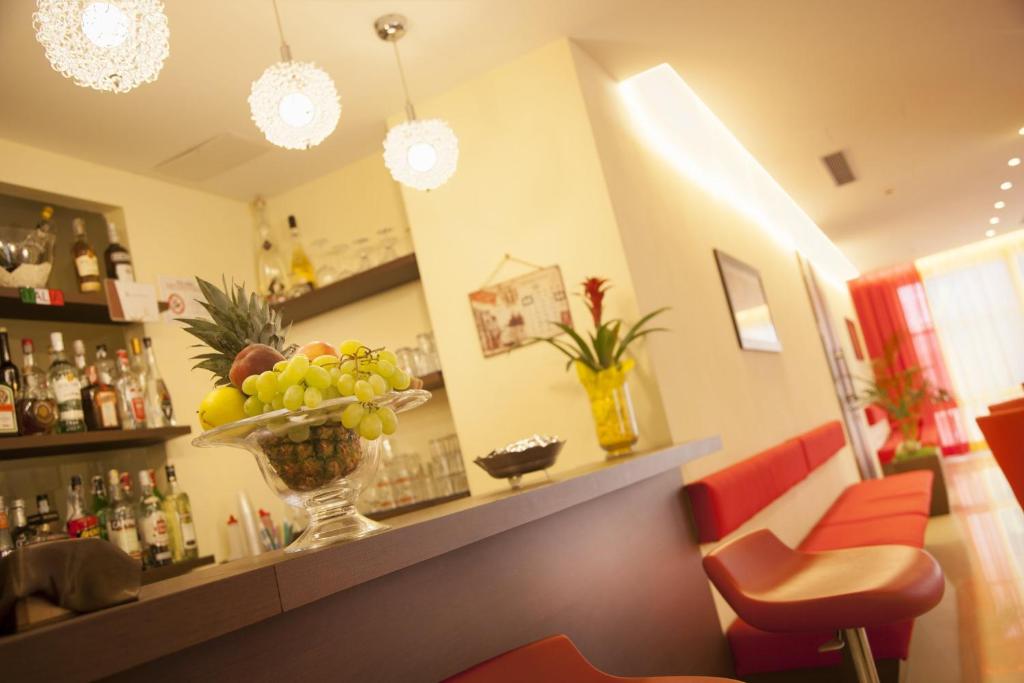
(586, 356)
(635, 332)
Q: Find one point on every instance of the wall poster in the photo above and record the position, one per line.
(514, 312)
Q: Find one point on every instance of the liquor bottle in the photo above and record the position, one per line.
(179, 520)
(106, 368)
(10, 388)
(87, 266)
(121, 528)
(100, 403)
(130, 394)
(158, 398)
(67, 388)
(156, 544)
(100, 503)
(81, 524)
(116, 258)
(37, 406)
(6, 540)
(78, 353)
(271, 268)
(302, 274)
(46, 521)
(21, 532)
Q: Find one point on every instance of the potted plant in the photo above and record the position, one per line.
(903, 395)
(602, 367)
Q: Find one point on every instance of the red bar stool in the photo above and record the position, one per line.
(775, 588)
(554, 660)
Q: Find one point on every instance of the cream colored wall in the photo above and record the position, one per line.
(670, 227)
(171, 231)
(530, 184)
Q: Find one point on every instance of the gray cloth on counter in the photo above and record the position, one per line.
(81, 575)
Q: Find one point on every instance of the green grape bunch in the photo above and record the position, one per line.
(359, 371)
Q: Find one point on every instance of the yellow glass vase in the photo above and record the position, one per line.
(611, 406)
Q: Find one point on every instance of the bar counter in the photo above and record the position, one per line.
(605, 553)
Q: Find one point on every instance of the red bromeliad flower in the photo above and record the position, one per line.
(593, 293)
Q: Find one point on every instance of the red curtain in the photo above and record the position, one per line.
(892, 303)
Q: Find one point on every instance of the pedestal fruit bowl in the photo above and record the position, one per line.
(313, 416)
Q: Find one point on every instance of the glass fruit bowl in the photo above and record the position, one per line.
(314, 462)
(26, 256)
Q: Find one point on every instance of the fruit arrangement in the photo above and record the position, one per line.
(255, 373)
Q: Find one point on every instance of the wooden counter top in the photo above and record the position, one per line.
(181, 612)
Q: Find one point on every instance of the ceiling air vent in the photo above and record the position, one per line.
(839, 167)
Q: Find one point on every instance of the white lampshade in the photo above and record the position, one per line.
(295, 104)
(421, 154)
(114, 45)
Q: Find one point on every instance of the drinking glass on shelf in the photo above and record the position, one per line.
(425, 342)
(337, 256)
(363, 251)
(406, 360)
(387, 244)
(326, 273)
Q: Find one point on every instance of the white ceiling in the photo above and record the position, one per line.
(924, 96)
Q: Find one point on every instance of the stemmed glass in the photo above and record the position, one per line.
(363, 251)
(387, 244)
(326, 273)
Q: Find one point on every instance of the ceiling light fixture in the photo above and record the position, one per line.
(994, 220)
(1015, 161)
(1000, 204)
(112, 46)
(421, 154)
(1006, 185)
(1020, 131)
(990, 233)
(295, 104)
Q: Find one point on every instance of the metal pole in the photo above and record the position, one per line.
(860, 653)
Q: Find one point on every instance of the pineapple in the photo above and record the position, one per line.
(240, 320)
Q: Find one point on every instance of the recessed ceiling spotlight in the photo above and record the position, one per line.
(994, 220)
(1015, 161)
(1000, 204)
(1006, 185)
(990, 233)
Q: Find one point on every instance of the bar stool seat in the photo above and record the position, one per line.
(555, 660)
(775, 588)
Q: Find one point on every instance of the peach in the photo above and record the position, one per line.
(252, 360)
(315, 349)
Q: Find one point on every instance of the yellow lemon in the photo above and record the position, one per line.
(221, 406)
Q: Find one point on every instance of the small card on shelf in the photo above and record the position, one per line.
(132, 301)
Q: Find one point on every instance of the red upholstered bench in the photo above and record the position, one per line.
(893, 510)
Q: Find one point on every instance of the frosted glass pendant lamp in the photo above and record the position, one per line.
(113, 46)
(294, 104)
(421, 154)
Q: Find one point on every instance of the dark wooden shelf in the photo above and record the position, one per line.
(354, 288)
(433, 381)
(77, 308)
(387, 514)
(169, 571)
(15, 447)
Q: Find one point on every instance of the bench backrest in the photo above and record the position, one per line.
(724, 500)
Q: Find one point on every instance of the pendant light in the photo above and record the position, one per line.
(113, 46)
(421, 154)
(294, 104)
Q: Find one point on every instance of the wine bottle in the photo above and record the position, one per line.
(303, 278)
(87, 266)
(10, 388)
(117, 259)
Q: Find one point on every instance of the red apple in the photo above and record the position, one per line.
(315, 349)
(252, 360)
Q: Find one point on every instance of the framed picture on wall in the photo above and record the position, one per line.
(515, 312)
(858, 350)
(748, 304)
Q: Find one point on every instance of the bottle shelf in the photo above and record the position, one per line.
(433, 381)
(354, 288)
(77, 308)
(36, 445)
